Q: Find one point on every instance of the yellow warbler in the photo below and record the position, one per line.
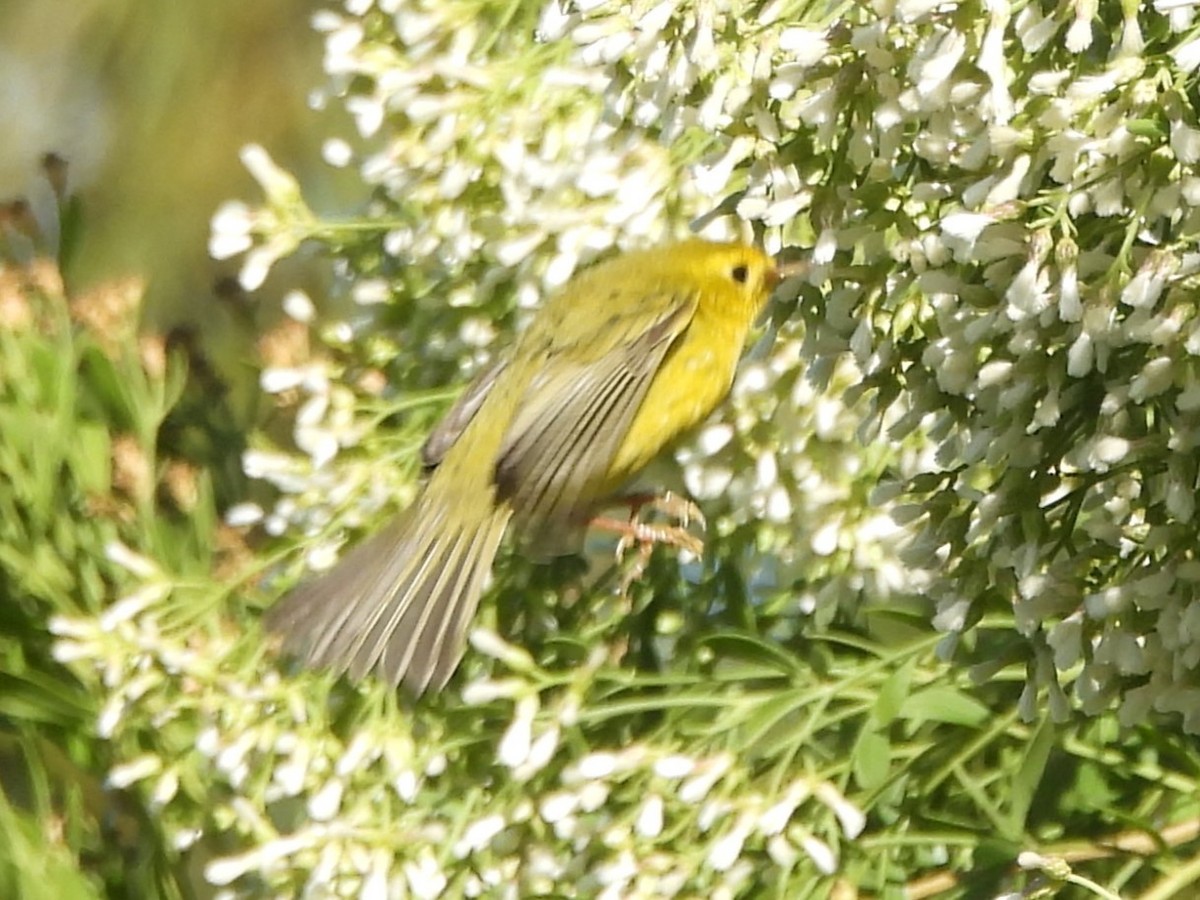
(625, 358)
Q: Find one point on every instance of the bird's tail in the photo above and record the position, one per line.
(399, 603)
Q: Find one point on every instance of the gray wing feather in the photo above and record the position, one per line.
(398, 603)
(459, 416)
(570, 424)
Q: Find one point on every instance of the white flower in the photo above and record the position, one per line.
(324, 804)
(1066, 640)
(260, 259)
(776, 817)
(1188, 399)
(1187, 56)
(491, 644)
(1034, 29)
(276, 380)
(558, 806)
(1180, 12)
(1156, 376)
(1109, 450)
(1144, 289)
(1080, 355)
(137, 769)
(593, 795)
(826, 247)
(952, 615)
(1027, 295)
(1132, 42)
(1070, 306)
(850, 816)
(725, 851)
(934, 72)
(67, 652)
(782, 853)
(596, 765)
(425, 877)
(674, 767)
(375, 884)
(711, 177)
(697, 787)
(279, 185)
(479, 692)
(138, 565)
(913, 10)
(541, 751)
(406, 785)
(966, 226)
(299, 306)
(1079, 35)
(368, 112)
(820, 107)
(1008, 188)
(291, 773)
(514, 746)
(806, 46)
(337, 152)
(995, 372)
(824, 541)
(370, 291)
(227, 869)
(991, 61)
(232, 230)
(478, 835)
(820, 853)
(132, 605)
(649, 821)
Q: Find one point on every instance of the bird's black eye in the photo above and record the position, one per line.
(739, 274)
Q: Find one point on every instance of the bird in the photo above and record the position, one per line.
(617, 365)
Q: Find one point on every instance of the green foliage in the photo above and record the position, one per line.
(81, 407)
(33, 867)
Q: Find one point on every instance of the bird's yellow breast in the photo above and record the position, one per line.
(694, 378)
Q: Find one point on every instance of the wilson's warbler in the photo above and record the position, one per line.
(618, 364)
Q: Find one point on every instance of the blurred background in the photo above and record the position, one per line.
(149, 103)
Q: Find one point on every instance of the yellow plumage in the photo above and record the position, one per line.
(627, 357)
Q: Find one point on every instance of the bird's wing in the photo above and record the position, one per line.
(578, 406)
(399, 602)
(459, 416)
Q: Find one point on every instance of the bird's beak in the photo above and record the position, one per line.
(791, 268)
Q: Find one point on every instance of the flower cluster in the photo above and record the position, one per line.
(996, 212)
(979, 398)
(382, 812)
(1041, 325)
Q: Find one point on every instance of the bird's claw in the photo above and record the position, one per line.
(634, 532)
(647, 534)
(674, 506)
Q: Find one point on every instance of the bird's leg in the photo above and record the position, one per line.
(646, 534)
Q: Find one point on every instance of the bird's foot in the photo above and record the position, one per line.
(644, 535)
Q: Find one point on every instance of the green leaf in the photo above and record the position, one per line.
(762, 657)
(70, 217)
(35, 696)
(871, 759)
(892, 695)
(33, 867)
(1145, 128)
(1028, 777)
(91, 455)
(943, 704)
(107, 390)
